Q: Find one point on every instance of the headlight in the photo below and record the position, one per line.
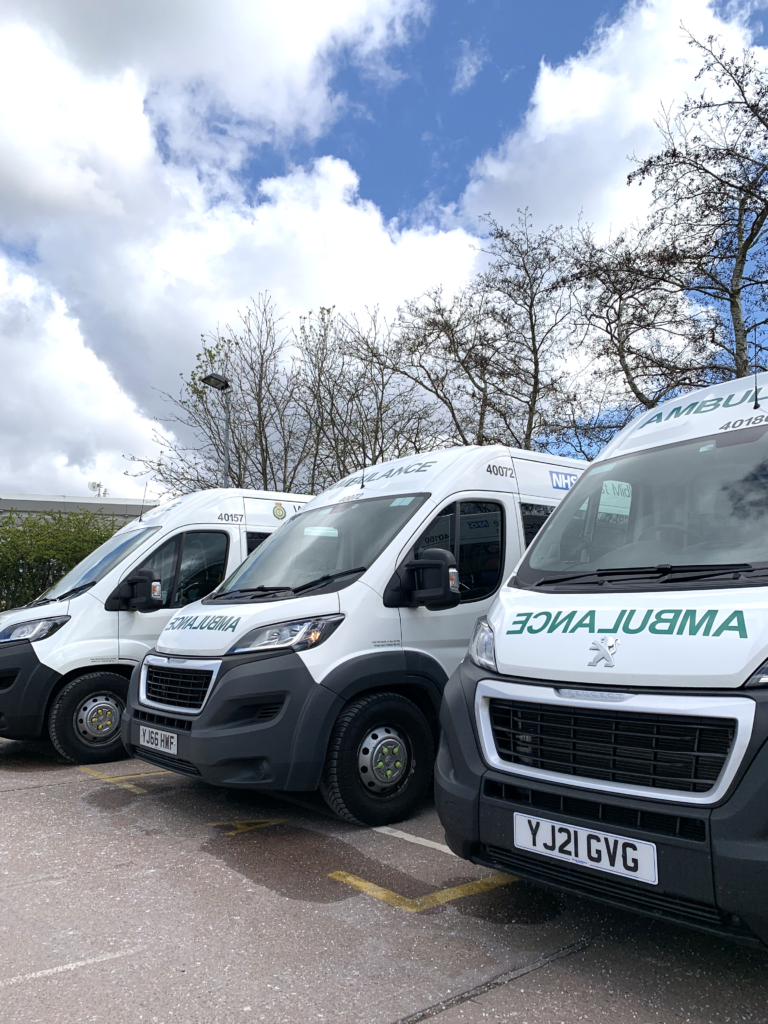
(299, 635)
(32, 629)
(481, 649)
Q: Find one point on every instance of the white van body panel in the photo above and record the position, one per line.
(95, 636)
(452, 475)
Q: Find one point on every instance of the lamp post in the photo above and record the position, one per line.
(220, 383)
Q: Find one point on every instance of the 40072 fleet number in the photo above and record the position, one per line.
(495, 470)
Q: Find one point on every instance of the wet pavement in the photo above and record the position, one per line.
(132, 894)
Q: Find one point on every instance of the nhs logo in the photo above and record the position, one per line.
(562, 481)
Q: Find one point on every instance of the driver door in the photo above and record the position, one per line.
(189, 566)
(474, 530)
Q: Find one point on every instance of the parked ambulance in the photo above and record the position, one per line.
(322, 659)
(65, 659)
(607, 734)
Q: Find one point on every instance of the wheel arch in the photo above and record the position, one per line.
(420, 679)
(75, 673)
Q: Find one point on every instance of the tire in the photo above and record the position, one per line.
(365, 779)
(76, 735)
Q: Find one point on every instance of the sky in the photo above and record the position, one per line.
(161, 163)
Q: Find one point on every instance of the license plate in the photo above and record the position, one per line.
(630, 858)
(156, 739)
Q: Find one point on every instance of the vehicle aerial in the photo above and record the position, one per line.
(66, 658)
(321, 661)
(606, 734)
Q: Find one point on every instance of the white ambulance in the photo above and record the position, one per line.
(322, 659)
(65, 659)
(607, 733)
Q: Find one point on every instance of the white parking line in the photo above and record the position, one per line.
(388, 831)
(66, 967)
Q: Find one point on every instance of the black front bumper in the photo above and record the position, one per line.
(25, 688)
(712, 861)
(231, 742)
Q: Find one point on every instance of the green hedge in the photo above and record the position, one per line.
(38, 548)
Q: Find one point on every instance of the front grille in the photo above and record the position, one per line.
(679, 825)
(597, 885)
(174, 764)
(185, 724)
(178, 687)
(674, 752)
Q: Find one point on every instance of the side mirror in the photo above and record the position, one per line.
(141, 592)
(432, 581)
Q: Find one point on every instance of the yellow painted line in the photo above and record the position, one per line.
(247, 825)
(432, 899)
(116, 780)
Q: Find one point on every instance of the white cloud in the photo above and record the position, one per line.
(121, 128)
(63, 420)
(146, 253)
(590, 113)
(469, 66)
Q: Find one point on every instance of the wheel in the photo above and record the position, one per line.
(84, 722)
(380, 760)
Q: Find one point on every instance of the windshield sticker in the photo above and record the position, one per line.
(223, 623)
(665, 622)
(562, 481)
(707, 405)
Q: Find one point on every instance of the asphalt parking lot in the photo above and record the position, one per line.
(131, 894)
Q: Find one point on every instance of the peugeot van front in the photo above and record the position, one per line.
(66, 658)
(322, 660)
(607, 733)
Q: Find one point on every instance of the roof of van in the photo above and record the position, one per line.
(225, 505)
(696, 414)
(450, 470)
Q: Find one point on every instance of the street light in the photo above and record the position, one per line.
(220, 383)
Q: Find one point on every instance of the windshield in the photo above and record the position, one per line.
(99, 562)
(323, 542)
(681, 511)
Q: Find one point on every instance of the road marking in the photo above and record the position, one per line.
(388, 831)
(121, 780)
(432, 899)
(66, 967)
(247, 825)
(500, 979)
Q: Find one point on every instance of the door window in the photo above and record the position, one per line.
(534, 517)
(441, 533)
(477, 545)
(254, 540)
(163, 562)
(202, 567)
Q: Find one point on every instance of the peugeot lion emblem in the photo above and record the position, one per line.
(606, 649)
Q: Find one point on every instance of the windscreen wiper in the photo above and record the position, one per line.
(648, 570)
(328, 576)
(69, 593)
(251, 590)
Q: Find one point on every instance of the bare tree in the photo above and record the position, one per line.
(636, 329)
(710, 195)
(306, 408)
(487, 357)
(269, 442)
(532, 309)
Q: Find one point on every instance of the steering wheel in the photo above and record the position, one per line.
(664, 526)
